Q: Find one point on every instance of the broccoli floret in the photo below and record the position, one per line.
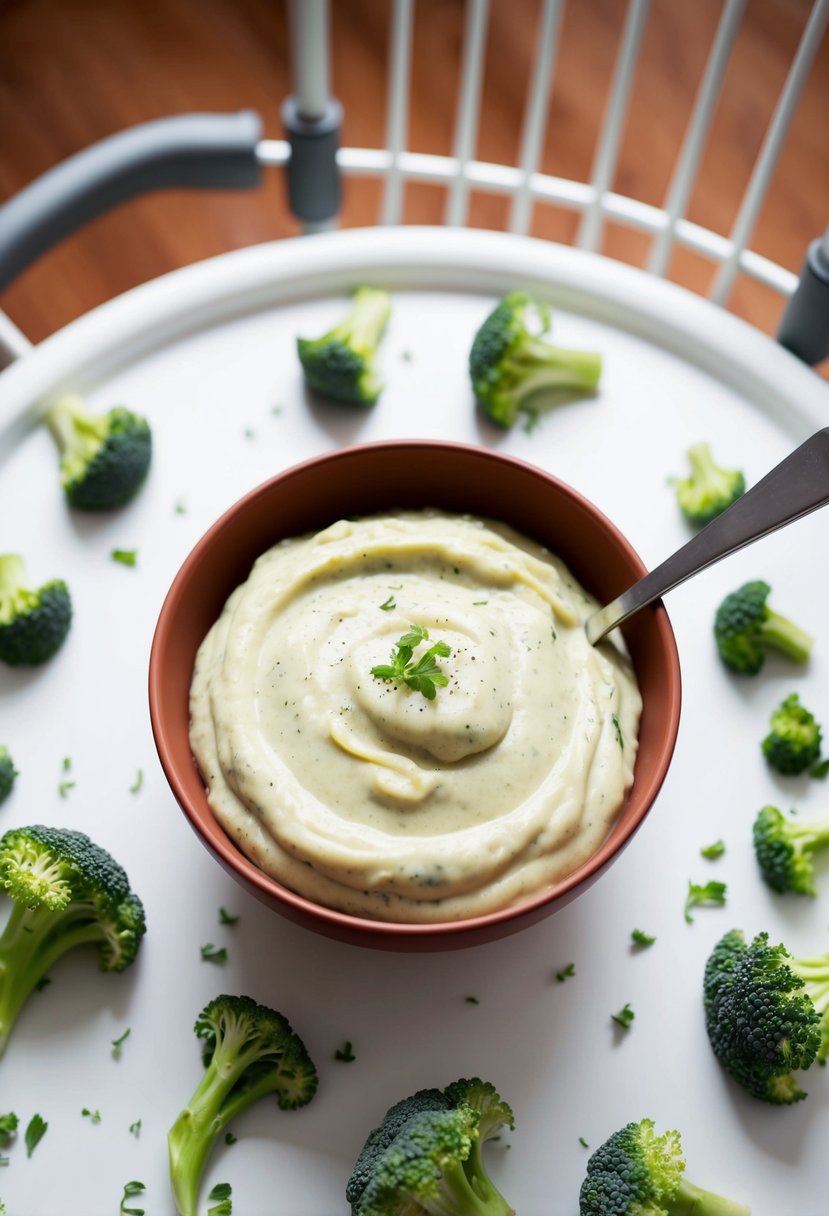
(7, 773)
(66, 891)
(767, 1014)
(638, 1173)
(744, 626)
(104, 458)
(250, 1052)
(34, 622)
(340, 364)
(709, 490)
(793, 743)
(510, 362)
(784, 849)
(425, 1157)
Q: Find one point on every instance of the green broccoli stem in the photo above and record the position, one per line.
(207, 1113)
(809, 834)
(482, 1186)
(367, 320)
(77, 433)
(32, 941)
(12, 574)
(459, 1196)
(691, 1200)
(538, 366)
(785, 636)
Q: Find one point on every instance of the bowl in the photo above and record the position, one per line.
(361, 480)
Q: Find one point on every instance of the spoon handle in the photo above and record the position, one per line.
(793, 488)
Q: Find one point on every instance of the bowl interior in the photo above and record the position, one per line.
(381, 477)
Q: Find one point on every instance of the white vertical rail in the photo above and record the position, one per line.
(535, 119)
(308, 24)
(613, 124)
(769, 153)
(685, 172)
(13, 342)
(391, 211)
(468, 107)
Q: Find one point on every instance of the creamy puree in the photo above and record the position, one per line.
(363, 795)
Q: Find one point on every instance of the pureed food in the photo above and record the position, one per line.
(379, 795)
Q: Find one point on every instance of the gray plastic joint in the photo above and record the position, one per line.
(314, 189)
(804, 328)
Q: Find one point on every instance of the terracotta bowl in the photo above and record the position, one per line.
(383, 476)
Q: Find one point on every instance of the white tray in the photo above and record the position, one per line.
(208, 355)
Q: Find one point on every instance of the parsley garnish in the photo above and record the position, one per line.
(708, 893)
(94, 1116)
(226, 919)
(472, 1000)
(118, 1043)
(388, 604)
(712, 851)
(583, 1142)
(8, 1126)
(618, 729)
(138, 782)
(566, 972)
(624, 1017)
(230, 1138)
(820, 770)
(422, 676)
(65, 787)
(220, 1195)
(213, 954)
(34, 1133)
(135, 1128)
(641, 938)
(130, 1191)
(127, 557)
(344, 1053)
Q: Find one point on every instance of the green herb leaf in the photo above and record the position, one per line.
(220, 1197)
(712, 851)
(566, 972)
(472, 1000)
(138, 782)
(8, 1126)
(135, 1128)
(344, 1053)
(705, 893)
(641, 938)
(583, 1142)
(127, 557)
(226, 919)
(118, 1043)
(130, 1191)
(624, 1017)
(94, 1116)
(820, 770)
(34, 1133)
(42, 983)
(180, 506)
(213, 954)
(65, 787)
(618, 729)
(388, 604)
(423, 676)
(230, 1138)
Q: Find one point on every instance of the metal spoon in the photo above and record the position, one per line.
(793, 488)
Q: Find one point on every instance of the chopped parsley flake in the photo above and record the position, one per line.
(118, 1043)
(130, 1191)
(706, 893)
(213, 954)
(624, 1017)
(345, 1053)
(226, 919)
(566, 972)
(126, 557)
(641, 938)
(712, 851)
(34, 1133)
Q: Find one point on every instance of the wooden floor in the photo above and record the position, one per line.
(73, 71)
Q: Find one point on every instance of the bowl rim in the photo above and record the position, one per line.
(348, 925)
